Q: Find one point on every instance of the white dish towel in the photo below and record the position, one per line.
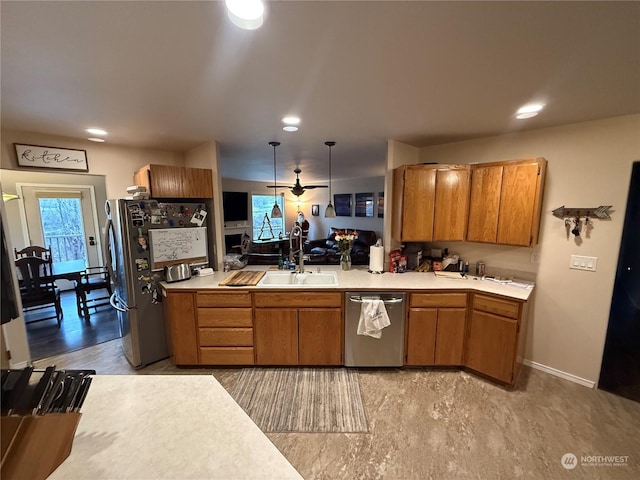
(373, 317)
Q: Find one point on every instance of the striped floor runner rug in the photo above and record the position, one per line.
(302, 399)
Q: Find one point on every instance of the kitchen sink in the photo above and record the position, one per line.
(307, 279)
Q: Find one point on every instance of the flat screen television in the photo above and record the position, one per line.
(235, 206)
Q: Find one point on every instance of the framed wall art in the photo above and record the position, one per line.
(315, 210)
(364, 204)
(38, 156)
(380, 204)
(342, 204)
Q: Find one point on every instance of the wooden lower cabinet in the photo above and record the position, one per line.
(299, 328)
(435, 336)
(320, 332)
(182, 333)
(494, 344)
(225, 328)
(276, 333)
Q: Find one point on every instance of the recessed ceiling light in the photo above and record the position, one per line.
(93, 139)
(290, 128)
(291, 120)
(246, 14)
(529, 110)
(96, 131)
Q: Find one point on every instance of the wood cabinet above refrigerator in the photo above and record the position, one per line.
(430, 202)
(168, 181)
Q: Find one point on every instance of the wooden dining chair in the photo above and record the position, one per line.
(37, 288)
(92, 278)
(34, 251)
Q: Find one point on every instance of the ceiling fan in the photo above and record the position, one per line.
(297, 189)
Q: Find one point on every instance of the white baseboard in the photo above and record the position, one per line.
(19, 365)
(559, 373)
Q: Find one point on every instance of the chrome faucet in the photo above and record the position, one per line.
(292, 253)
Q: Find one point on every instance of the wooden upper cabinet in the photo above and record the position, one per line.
(414, 189)
(168, 181)
(506, 201)
(484, 207)
(451, 204)
(430, 202)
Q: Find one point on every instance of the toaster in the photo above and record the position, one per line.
(178, 272)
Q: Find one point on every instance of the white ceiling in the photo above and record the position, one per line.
(170, 75)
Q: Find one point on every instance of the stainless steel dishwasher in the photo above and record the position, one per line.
(365, 351)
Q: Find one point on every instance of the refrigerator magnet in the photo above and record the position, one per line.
(143, 243)
(198, 217)
(142, 264)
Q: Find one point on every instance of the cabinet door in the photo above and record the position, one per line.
(491, 345)
(484, 205)
(180, 320)
(421, 336)
(320, 336)
(451, 204)
(450, 336)
(518, 204)
(418, 204)
(276, 336)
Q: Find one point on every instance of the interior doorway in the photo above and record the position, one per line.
(620, 372)
(64, 219)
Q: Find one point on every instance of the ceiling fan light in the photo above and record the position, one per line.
(330, 212)
(276, 212)
(290, 128)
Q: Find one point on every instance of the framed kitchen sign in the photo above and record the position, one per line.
(39, 156)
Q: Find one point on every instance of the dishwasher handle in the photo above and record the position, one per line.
(358, 299)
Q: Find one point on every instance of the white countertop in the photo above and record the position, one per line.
(168, 427)
(358, 278)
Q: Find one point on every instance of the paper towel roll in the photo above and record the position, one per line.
(376, 259)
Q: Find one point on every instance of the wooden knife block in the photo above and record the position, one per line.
(34, 446)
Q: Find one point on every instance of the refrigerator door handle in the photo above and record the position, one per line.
(114, 303)
(108, 246)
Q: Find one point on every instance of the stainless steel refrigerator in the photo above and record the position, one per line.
(141, 238)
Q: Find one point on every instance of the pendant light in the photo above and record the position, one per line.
(330, 212)
(275, 211)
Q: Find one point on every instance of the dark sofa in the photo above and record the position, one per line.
(325, 251)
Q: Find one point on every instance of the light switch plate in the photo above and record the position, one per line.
(580, 262)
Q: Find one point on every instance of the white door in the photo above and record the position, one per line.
(64, 219)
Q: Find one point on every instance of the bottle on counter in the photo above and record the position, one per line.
(286, 264)
(280, 263)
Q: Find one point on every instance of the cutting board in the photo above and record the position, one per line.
(242, 278)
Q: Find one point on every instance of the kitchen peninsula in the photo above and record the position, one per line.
(168, 427)
(465, 321)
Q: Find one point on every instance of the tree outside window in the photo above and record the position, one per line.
(262, 205)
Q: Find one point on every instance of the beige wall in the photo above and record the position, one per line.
(206, 156)
(117, 163)
(589, 165)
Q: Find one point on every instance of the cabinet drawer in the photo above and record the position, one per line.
(438, 300)
(225, 317)
(298, 299)
(226, 337)
(226, 356)
(240, 299)
(498, 306)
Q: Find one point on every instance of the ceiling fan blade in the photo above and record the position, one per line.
(278, 186)
(309, 187)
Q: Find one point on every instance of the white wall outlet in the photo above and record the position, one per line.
(580, 262)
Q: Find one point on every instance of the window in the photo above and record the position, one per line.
(261, 206)
(63, 229)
